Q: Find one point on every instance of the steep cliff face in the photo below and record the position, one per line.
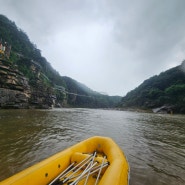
(16, 91)
(14, 87)
(29, 80)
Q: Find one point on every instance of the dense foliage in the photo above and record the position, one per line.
(168, 88)
(25, 54)
(82, 96)
(23, 51)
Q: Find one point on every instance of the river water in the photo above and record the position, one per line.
(153, 143)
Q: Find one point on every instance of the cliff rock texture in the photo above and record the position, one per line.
(16, 91)
(14, 87)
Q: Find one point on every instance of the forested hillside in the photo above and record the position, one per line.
(87, 97)
(27, 59)
(166, 89)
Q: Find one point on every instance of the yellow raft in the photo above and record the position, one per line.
(95, 161)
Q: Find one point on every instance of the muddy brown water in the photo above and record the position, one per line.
(153, 143)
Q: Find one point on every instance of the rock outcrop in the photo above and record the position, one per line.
(13, 99)
(16, 91)
(14, 88)
(164, 109)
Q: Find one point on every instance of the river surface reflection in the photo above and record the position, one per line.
(154, 144)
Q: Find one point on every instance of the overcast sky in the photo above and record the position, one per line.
(111, 46)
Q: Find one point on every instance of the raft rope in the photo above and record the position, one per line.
(91, 167)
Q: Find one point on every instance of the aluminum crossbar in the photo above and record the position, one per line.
(73, 174)
(92, 172)
(100, 170)
(75, 169)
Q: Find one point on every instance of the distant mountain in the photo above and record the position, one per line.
(83, 96)
(45, 88)
(165, 91)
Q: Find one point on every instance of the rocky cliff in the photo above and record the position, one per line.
(14, 88)
(16, 91)
(29, 80)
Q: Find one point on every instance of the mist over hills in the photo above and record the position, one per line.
(29, 81)
(27, 59)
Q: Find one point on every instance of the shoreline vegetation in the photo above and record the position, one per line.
(29, 81)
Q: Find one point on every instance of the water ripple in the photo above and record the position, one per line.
(154, 144)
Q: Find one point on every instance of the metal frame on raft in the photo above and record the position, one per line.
(78, 165)
(88, 166)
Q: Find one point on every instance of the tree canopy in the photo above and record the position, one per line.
(24, 54)
(167, 88)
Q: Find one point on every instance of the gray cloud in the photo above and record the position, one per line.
(111, 46)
